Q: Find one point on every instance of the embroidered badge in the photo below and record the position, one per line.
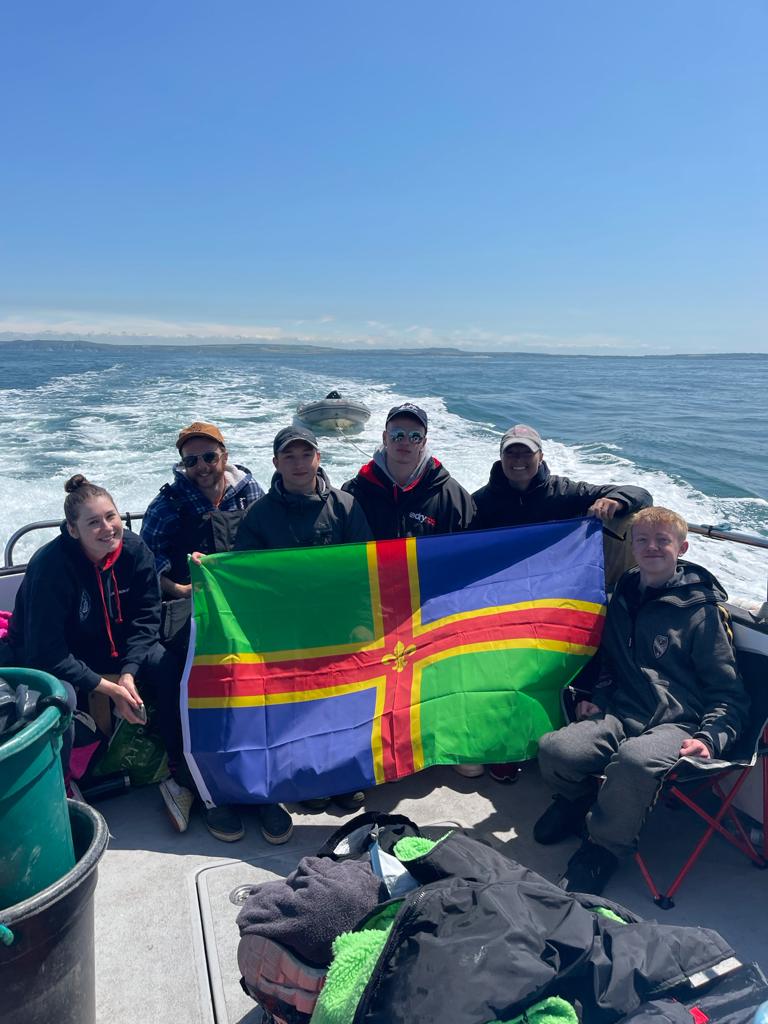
(85, 605)
(660, 645)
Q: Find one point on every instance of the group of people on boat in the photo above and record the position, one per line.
(108, 611)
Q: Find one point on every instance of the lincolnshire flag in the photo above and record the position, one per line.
(316, 671)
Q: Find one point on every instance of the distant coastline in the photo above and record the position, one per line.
(302, 348)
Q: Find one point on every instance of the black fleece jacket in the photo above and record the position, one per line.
(62, 624)
(283, 520)
(434, 503)
(546, 498)
(668, 658)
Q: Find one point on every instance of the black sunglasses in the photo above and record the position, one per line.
(209, 458)
(414, 436)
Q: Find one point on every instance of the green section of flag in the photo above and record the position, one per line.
(491, 707)
(287, 600)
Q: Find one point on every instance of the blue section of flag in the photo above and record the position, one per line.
(470, 571)
(288, 752)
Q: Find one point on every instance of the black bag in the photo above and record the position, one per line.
(357, 836)
(20, 705)
(175, 622)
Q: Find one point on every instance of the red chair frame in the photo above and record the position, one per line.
(739, 837)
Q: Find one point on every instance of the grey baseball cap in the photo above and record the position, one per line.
(407, 409)
(521, 434)
(287, 435)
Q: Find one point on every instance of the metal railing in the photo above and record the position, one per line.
(737, 538)
(129, 518)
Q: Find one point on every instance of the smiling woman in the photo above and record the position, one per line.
(88, 610)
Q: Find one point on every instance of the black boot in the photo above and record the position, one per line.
(589, 869)
(562, 819)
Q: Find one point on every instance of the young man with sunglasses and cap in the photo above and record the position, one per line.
(404, 490)
(301, 509)
(200, 511)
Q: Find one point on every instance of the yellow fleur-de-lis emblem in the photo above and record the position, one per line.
(401, 655)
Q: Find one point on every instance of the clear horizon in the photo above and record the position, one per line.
(544, 178)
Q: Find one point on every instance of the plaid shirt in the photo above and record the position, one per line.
(161, 520)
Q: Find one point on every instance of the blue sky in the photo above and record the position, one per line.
(542, 176)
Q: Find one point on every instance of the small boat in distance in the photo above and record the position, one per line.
(334, 412)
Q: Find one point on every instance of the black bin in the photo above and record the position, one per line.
(47, 970)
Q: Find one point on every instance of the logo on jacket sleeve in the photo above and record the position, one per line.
(660, 645)
(85, 606)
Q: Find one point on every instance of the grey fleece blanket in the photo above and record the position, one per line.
(312, 906)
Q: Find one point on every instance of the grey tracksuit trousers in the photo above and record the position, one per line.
(633, 767)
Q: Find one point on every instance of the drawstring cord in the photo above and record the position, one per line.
(112, 649)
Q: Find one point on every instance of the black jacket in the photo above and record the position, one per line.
(435, 503)
(62, 625)
(546, 498)
(282, 520)
(668, 658)
(484, 938)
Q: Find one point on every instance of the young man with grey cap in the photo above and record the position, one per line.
(300, 509)
(522, 490)
(404, 490)
(200, 511)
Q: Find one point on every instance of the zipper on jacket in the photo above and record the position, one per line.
(368, 992)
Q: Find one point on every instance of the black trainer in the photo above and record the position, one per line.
(562, 819)
(224, 823)
(350, 801)
(589, 869)
(316, 803)
(274, 823)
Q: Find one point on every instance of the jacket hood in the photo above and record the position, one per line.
(498, 482)
(380, 458)
(691, 585)
(430, 474)
(74, 549)
(278, 492)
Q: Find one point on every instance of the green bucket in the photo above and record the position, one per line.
(35, 835)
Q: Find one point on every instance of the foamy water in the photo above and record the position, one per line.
(118, 426)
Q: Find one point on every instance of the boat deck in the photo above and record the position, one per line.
(166, 937)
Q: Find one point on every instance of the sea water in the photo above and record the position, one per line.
(692, 430)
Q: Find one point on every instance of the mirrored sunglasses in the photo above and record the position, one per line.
(414, 436)
(209, 458)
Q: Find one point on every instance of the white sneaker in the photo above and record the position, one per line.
(178, 802)
(469, 771)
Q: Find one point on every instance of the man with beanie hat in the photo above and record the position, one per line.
(404, 490)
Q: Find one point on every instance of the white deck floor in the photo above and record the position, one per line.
(165, 928)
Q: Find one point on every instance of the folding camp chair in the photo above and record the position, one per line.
(691, 779)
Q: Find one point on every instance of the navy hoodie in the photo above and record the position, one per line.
(547, 498)
(79, 622)
(432, 503)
